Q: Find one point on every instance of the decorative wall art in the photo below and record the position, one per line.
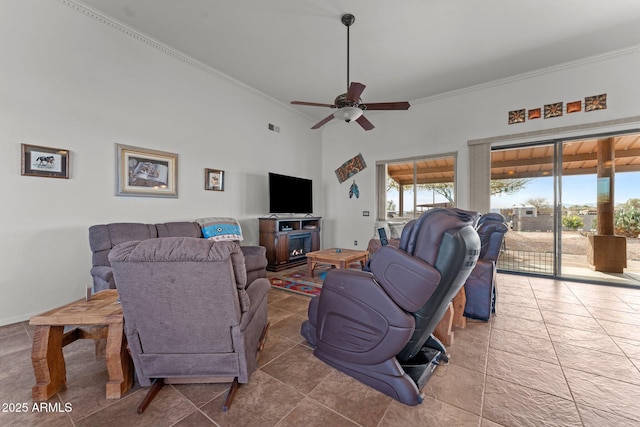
(574, 107)
(350, 168)
(144, 172)
(598, 102)
(553, 110)
(536, 113)
(516, 116)
(214, 179)
(591, 103)
(354, 190)
(45, 161)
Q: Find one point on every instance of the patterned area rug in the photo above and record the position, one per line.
(299, 282)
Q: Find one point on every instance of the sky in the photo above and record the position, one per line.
(576, 190)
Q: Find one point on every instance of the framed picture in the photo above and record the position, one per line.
(146, 173)
(45, 161)
(214, 179)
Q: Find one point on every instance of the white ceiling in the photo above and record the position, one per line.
(402, 50)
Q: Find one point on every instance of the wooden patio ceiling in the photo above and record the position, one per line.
(579, 158)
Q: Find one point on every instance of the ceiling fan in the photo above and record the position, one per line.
(349, 105)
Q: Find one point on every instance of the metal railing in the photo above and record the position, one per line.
(526, 262)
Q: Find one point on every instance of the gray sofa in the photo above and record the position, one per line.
(104, 237)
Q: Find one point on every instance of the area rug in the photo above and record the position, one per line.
(299, 282)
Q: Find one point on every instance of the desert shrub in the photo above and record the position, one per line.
(572, 222)
(626, 219)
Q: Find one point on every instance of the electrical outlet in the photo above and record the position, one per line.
(365, 213)
(355, 243)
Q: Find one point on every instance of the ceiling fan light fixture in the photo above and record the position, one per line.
(347, 113)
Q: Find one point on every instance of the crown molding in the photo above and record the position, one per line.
(530, 74)
(167, 50)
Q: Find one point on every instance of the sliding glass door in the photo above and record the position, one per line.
(554, 193)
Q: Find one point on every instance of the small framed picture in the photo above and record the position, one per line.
(45, 161)
(214, 179)
(146, 173)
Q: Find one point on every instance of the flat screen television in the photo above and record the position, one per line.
(289, 194)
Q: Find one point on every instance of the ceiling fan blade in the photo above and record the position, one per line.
(366, 124)
(388, 106)
(322, 122)
(312, 104)
(354, 92)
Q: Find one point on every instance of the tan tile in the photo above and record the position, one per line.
(457, 386)
(488, 423)
(470, 345)
(595, 418)
(604, 393)
(622, 330)
(571, 321)
(56, 418)
(595, 303)
(630, 347)
(289, 328)
(580, 338)
(596, 293)
(512, 310)
(292, 304)
(430, 413)
(167, 408)
(298, 368)
(636, 362)
(513, 405)
(262, 402)
(196, 419)
(276, 295)
(564, 307)
(276, 345)
(310, 413)
(610, 365)
(519, 291)
(351, 398)
(523, 345)
(530, 372)
(276, 315)
(505, 298)
(563, 297)
(531, 328)
(14, 338)
(199, 394)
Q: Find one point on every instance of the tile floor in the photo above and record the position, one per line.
(556, 354)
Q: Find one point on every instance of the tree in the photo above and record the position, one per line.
(508, 186)
(537, 202)
(445, 189)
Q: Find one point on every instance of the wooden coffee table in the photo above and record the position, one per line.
(340, 259)
(98, 319)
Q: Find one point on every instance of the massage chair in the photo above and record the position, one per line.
(377, 326)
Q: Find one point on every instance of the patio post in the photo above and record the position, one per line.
(608, 251)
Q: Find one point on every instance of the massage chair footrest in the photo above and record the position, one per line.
(422, 365)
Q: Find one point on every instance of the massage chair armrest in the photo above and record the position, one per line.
(356, 320)
(408, 280)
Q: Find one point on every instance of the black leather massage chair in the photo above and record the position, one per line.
(377, 326)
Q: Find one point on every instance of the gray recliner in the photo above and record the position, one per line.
(189, 314)
(377, 326)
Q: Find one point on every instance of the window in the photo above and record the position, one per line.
(409, 187)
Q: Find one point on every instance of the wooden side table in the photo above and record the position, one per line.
(99, 319)
(340, 259)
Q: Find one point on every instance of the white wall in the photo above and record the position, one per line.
(69, 81)
(447, 123)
